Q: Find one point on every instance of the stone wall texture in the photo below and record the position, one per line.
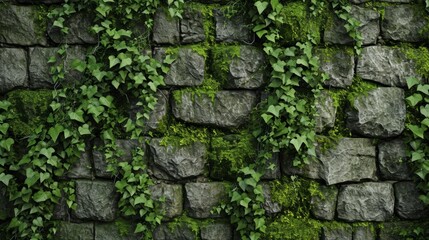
(365, 177)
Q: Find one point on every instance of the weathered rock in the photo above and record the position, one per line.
(225, 109)
(323, 207)
(326, 112)
(165, 29)
(408, 205)
(201, 198)
(178, 232)
(39, 69)
(364, 233)
(269, 205)
(96, 200)
(79, 25)
(187, 69)
(75, 231)
(82, 168)
(232, 29)
(6, 208)
(343, 233)
(370, 201)
(379, 113)
(339, 64)
(61, 210)
(272, 170)
(192, 26)
(392, 160)
(404, 23)
(246, 71)
(158, 115)
(311, 170)
(111, 231)
(179, 162)
(403, 230)
(20, 25)
(216, 231)
(172, 206)
(386, 65)
(336, 33)
(13, 69)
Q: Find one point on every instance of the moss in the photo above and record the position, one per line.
(327, 54)
(182, 134)
(359, 87)
(124, 227)
(40, 21)
(420, 56)
(222, 56)
(209, 87)
(194, 224)
(208, 19)
(294, 228)
(31, 109)
(378, 6)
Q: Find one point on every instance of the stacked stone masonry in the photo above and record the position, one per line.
(364, 177)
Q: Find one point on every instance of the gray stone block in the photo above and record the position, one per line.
(392, 160)
(111, 231)
(79, 25)
(158, 116)
(192, 26)
(178, 162)
(187, 69)
(172, 206)
(341, 233)
(165, 29)
(269, 205)
(216, 231)
(232, 29)
(13, 69)
(364, 233)
(178, 232)
(19, 25)
(324, 206)
(226, 109)
(202, 198)
(275, 171)
(408, 205)
(75, 231)
(339, 64)
(326, 112)
(96, 200)
(404, 23)
(379, 113)
(370, 201)
(247, 70)
(386, 65)
(82, 168)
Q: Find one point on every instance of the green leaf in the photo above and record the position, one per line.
(7, 144)
(55, 131)
(5, 178)
(275, 110)
(79, 65)
(4, 127)
(417, 131)
(125, 62)
(423, 88)
(113, 61)
(414, 99)
(41, 196)
(77, 116)
(261, 6)
(412, 81)
(297, 142)
(47, 152)
(106, 101)
(84, 130)
(425, 110)
(245, 202)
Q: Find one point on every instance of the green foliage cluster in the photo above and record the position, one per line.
(420, 56)
(222, 57)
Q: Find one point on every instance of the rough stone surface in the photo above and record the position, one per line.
(370, 201)
(232, 29)
(192, 26)
(186, 70)
(269, 205)
(173, 195)
(395, 230)
(324, 207)
(179, 162)
(13, 69)
(82, 168)
(392, 160)
(96, 200)
(216, 231)
(110, 231)
(364, 233)
(343, 233)
(158, 115)
(379, 113)
(201, 198)
(227, 109)
(404, 23)
(386, 65)
(39, 70)
(275, 172)
(165, 29)
(339, 64)
(247, 70)
(336, 33)
(79, 30)
(19, 25)
(180, 232)
(408, 204)
(326, 112)
(311, 170)
(75, 231)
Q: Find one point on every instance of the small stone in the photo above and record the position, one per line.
(392, 160)
(408, 205)
(111, 231)
(232, 29)
(82, 168)
(339, 64)
(179, 162)
(311, 170)
(216, 231)
(370, 201)
(79, 25)
(323, 207)
(269, 205)
(177, 232)
(75, 231)
(13, 69)
(172, 206)
(202, 198)
(343, 233)
(326, 112)
(96, 200)
(192, 26)
(364, 233)
(165, 29)
(378, 113)
(246, 71)
(187, 69)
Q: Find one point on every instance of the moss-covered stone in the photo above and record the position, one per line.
(222, 56)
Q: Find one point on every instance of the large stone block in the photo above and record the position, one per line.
(20, 25)
(339, 64)
(202, 198)
(336, 33)
(216, 231)
(324, 206)
(386, 65)
(75, 231)
(192, 26)
(13, 69)
(225, 109)
(408, 205)
(79, 25)
(96, 200)
(165, 29)
(178, 162)
(326, 112)
(177, 232)
(343, 233)
(82, 168)
(404, 23)
(172, 206)
(187, 69)
(379, 113)
(111, 231)
(370, 201)
(232, 29)
(392, 160)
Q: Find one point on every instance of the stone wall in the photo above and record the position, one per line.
(365, 175)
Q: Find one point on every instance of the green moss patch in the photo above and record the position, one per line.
(420, 56)
(222, 56)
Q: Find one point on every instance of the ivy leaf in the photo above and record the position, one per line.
(41, 196)
(259, 223)
(417, 131)
(275, 110)
(44, 176)
(140, 199)
(84, 130)
(79, 65)
(261, 6)
(412, 81)
(4, 127)
(425, 110)
(125, 62)
(113, 61)
(106, 101)
(297, 143)
(77, 116)
(7, 144)
(47, 152)
(414, 99)
(245, 202)
(423, 88)
(55, 131)
(5, 178)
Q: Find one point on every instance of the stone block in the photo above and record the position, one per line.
(178, 162)
(232, 29)
(226, 109)
(13, 68)
(75, 231)
(326, 112)
(187, 69)
(379, 113)
(364, 233)
(177, 232)
(403, 230)
(404, 23)
(165, 29)
(192, 26)
(392, 160)
(20, 25)
(324, 206)
(339, 64)
(158, 116)
(343, 233)
(369, 201)
(202, 198)
(172, 206)
(216, 231)
(386, 65)
(79, 25)
(269, 205)
(272, 170)
(408, 205)
(96, 200)
(82, 168)
(111, 231)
